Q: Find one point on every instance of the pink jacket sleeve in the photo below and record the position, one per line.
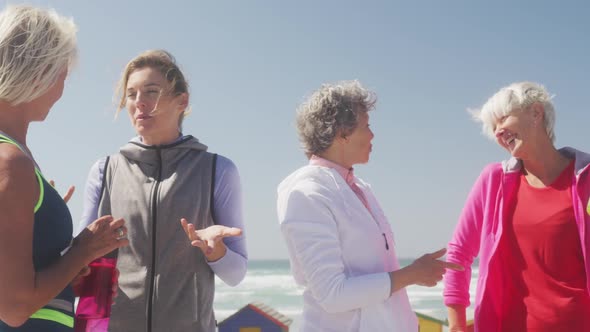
(465, 244)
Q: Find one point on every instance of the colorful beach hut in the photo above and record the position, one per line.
(255, 317)
(431, 324)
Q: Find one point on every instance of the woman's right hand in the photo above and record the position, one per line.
(101, 237)
(428, 270)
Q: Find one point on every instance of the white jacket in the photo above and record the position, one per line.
(341, 253)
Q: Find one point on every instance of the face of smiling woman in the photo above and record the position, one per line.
(518, 131)
(153, 112)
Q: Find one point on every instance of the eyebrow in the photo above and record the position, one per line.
(145, 86)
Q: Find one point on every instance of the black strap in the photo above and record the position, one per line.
(211, 197)
(114, 253)
(104, 178)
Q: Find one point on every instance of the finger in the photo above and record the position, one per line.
(117, 223)
(192, 233)
(69, 194)
(52, 183)
(199, 243)
(452, 266)
(437, 254)
(230, 231)
(104, 220)
(196, 240)
(210, 247)
(184, 224)
(123, 242)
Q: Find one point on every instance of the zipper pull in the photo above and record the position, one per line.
(386, 244)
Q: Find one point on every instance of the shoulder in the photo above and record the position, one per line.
(308, 180)
(491, 176)
(13, 160)
(97, 169)
(492, 169)
(17, 171)
(224, 164)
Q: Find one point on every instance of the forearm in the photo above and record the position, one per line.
(45, 285)
(401, 278)
(457, 318)
(231, 268)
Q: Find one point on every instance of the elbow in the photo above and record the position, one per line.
(15, 315)
(235, 280)
(332, 306)
(236, 277)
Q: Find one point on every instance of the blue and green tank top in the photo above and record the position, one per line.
(52, 234)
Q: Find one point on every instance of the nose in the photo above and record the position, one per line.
(499, 132)
(140, 102)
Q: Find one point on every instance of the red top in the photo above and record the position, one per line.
(544, 267)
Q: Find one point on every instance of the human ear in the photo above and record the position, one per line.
(183, 100)
(538, 113)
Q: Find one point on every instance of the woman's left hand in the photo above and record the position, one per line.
(68, 194)
(210, 239)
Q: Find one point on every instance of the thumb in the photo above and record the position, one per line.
(231, 231)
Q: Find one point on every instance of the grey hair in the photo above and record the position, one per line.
(331, 110)
(36, 46)
(515, 97)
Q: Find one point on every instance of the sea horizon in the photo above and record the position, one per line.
(269, 281)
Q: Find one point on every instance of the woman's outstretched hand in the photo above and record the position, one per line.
(209, 239)
(429, 269)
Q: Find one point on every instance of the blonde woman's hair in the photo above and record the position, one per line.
(36, 46)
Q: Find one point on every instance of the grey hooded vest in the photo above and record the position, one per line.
(165, 284)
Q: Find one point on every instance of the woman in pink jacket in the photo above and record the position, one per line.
(527, 220)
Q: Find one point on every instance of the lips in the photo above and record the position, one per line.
(509, 140)
(142, 117)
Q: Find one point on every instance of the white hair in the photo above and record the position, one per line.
(36, 46)
(515, 97)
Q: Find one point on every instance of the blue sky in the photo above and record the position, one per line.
(250, 63)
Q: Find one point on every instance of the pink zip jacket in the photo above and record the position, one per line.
(480, 228)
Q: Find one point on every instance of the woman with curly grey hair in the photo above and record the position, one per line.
(527, 220)
(37, 48)
(340, 243)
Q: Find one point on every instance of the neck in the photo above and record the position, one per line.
(13, 123)
(159, 139)
(336, 156)
(544, 165)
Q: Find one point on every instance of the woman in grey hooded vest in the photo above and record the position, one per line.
(182, 203)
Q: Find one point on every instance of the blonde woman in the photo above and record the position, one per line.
(182, 204)
(37, 49)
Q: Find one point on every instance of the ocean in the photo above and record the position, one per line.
(270, 282)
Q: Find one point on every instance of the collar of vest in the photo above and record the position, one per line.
(151, 154)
